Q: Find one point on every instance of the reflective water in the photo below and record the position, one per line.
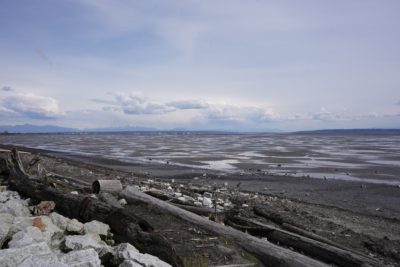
(371, 158)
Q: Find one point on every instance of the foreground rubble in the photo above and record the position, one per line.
(54, 240)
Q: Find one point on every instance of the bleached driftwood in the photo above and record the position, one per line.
(266, 252)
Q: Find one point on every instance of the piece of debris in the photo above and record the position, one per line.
(44, 208)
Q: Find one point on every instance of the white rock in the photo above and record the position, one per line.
(15, 207)
(5, 225)
(74, 193)
(79, 242)
(81, 258)
(12, 257)
(122, 201)
(220, 208)
(207, 195)
(74, 226)
(183, 199)
(20, 223)
(6, 218)
(48, 228)
(59, 220)
(207, 202)
(7, 195)
(27, 237)
(177, 194)
(227, 204)
(35, 261)
(148, 260)
(197, 204)
(126, 251)
(96, 227)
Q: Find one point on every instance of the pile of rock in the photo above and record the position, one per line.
(189, 194)
(54, 240)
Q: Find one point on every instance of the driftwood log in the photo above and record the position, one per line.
(317, 249)
(266, 252)
(127, 227)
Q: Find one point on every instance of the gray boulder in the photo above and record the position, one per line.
(81, 258)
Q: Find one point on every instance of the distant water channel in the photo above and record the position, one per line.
(367, 158)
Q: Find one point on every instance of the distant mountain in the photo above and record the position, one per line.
(122, 129)
(29, 128)
(352, 131)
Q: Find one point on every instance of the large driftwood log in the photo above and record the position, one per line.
(311, 247)
(268, 253)
(126, 226)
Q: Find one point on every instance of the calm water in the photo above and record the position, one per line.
(370, 158)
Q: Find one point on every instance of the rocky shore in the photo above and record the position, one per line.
(51, 239)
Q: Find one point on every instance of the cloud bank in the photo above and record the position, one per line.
(28, 105)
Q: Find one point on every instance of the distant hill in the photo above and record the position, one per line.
(351, 131)
(29, 128)
(122, 129)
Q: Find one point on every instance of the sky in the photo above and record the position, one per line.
(250, 65)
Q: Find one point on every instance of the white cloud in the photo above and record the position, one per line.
(30, 105)
(192, 110)
(189, 104)
(244, 114)
(136, 104)
(325, 115)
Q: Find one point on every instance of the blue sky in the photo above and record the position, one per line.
(222, 64)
